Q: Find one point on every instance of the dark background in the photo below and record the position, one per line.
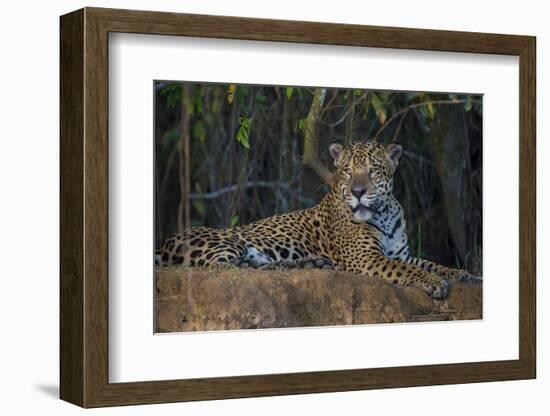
(230, 154)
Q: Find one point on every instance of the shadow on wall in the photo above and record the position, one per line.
(51, 390)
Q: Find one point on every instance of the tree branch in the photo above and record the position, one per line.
(346, 111)
(250, 184)
(410, 107)
(311, 154)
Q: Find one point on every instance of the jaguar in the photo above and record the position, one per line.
(358, 226)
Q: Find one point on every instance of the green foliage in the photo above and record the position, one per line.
(197, 101)
(199, 131)
(234, 221)
(246, 134)
(231, 93)
(242, 133)
(301, 125)
(171, 137)
(430, 110)
(261, 98)
(172, 93)
(289, 91)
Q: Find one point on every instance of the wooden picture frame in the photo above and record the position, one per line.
(84, 207)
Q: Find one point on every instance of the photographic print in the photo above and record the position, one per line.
(298, 206)
(282, 211)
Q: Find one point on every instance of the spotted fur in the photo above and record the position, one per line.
(357, 227)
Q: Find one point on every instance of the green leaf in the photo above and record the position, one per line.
(231, 93)
(189, 104)
(242, 133)
(301, 125)
(198, 104)
(199, 131)
(468, 104)
(431, 111)
(242, 138)
(199, 206)
(289, 91)
(262, 99)
(423, 110)
(173, 95)
(234, 221)
(242, 93)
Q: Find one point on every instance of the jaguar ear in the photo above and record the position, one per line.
(335, 150)
(393, 154)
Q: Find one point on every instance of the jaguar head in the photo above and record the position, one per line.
(364, 176)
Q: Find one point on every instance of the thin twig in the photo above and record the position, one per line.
(410, 107)
(417, 157)
(398, 129)
(344, 113)
(250, 184)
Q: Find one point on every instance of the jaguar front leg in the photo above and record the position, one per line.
(450, 274)
(405, 274)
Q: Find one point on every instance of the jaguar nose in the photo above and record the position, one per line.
(358, 192)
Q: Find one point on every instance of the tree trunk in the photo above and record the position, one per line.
(450, 153)
(184, 173)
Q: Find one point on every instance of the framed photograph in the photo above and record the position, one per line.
(256, 207)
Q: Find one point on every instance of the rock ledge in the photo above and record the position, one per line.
(206, 300)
